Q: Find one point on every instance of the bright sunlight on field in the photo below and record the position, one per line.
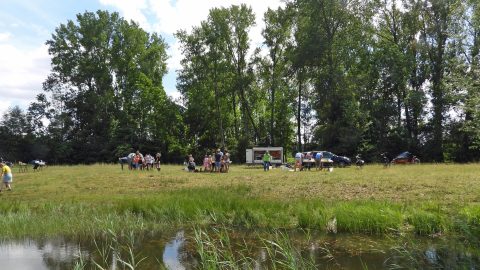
(443, 184)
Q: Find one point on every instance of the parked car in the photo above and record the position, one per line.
(340, 161)
(405, 158)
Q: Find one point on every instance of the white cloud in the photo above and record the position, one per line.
(24, 68)
(131, 10)
(4, 105)
(175, 53)
(22, 72)
(173, 94)
(171, 16)
(5, 36)
(184, 14)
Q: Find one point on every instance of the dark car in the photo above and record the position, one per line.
(405, 158)
(340, 161)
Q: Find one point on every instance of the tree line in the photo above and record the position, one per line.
(349, 76)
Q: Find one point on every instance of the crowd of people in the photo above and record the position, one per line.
(301, 165)
(300, 159)
(137, 161)
(218, 162)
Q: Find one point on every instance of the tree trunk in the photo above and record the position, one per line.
(247, 111)
(399, 111)
(234, 108)
(438, 101)
(272, 137)
(299, 135)
(219, 114)
(408, 120)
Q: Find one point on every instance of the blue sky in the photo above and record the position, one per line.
(25, 25)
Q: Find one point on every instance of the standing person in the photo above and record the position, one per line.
(318, 161)
(131, 164)
(226, 159)
(191, 163)
(212, 162)
(152, 162)
(267, 158)
(148, 161)
(206, 163)
(157, 160)
(298, 161)
(138, 160)
(6, 176)
(218, 160)
(308, 157)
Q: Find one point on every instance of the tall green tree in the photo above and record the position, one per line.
(461, 81)
(439, 18)
(17, 134)
(347, 76)
(472, 100)
(332, 39)
(107, 74)
(216, 79)
(400, 60)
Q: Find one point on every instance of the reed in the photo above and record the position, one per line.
(215, 251)
(221, 247)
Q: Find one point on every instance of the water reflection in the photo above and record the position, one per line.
(28, 254)
(171, 255)
(177, 250)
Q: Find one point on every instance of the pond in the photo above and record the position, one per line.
(196, 249)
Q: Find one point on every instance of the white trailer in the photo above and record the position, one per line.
(255, 155)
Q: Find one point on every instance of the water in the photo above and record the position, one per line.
(177, 250)
(28, 254)
(172, 252)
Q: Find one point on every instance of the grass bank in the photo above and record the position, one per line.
(76, 200)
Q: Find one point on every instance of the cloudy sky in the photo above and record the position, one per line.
(25, 25)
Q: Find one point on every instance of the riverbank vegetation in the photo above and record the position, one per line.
(434, 200)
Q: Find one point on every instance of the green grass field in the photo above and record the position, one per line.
(73, 200)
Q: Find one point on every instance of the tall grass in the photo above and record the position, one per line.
(368, 217)
(215, 251)
(81, 200)
(203, 206)
(111, 251)
(67, 220)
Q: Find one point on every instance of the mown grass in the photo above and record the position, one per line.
(75, 200)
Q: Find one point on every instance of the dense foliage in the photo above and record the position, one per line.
(349, 76)
(105, 96)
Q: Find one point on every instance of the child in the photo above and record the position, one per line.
(226, 158)
(7, 175)
(157, 160)
(298, 161)
(212, 163)
(191, 163)
(138, 160)
(206, 163)
(222, 164)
